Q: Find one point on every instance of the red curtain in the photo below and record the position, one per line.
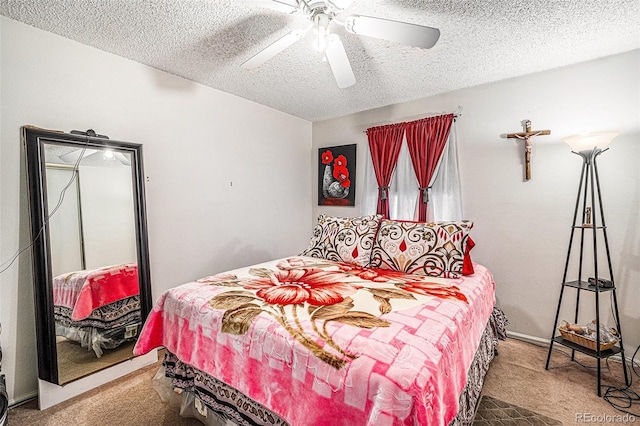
(384, 144)
(426, 140)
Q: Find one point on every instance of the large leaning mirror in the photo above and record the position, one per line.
(90, 251)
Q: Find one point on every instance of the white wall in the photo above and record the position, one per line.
(227, 179)
(522, 228)
(108, 215)
(65, 243)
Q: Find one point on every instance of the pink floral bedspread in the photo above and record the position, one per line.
(84, 291)
(327, 343)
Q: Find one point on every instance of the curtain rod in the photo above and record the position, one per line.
(455, 115)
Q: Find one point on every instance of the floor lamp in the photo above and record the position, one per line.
(589, 146)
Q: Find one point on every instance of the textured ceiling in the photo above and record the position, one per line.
(207, 40)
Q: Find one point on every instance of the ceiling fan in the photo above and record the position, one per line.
(322, 15)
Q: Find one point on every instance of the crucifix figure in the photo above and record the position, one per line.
(526, 136)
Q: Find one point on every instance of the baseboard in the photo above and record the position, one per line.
(15, 402)
(539, 341)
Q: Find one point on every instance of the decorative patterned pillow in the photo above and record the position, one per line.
(435, 249)
(344, 239)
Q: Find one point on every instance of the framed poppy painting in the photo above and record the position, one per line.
(337, 176)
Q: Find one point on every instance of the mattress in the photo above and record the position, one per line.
(99, 308)
(319, 342)
(82, 292)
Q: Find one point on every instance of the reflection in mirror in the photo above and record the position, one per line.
(92, 286)
(93, 257)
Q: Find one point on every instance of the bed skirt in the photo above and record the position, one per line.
(214, 403)
(106, 328)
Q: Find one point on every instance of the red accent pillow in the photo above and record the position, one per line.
(467, 264)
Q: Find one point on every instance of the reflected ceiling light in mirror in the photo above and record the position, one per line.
(108, 154)
(590, 141)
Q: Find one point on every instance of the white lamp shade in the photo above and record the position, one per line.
(589, 141)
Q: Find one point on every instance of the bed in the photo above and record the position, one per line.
(98, 308)
(378, 322)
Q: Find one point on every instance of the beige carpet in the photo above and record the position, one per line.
(128, 401)
(565, 392)
(517, 377)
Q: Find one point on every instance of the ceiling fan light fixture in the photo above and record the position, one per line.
(400, 32)
(322, 14)
(321, 23)
(320, 43)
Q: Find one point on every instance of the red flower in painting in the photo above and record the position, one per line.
(340, 173)
(340, 161)
(345, 183)
(295, 286)
(327, 157)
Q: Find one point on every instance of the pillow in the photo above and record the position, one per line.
(344, 239)
(434, 249)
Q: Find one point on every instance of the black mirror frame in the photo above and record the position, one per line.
(33, 139)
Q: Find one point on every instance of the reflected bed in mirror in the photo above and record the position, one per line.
(90, 253)
(96, 313)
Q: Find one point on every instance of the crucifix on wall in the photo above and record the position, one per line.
(526, 136)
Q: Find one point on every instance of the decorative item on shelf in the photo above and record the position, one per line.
(593, 340)
(587, 218)
(336, 176)
(601, 282)
(526, 136)
(586, 335)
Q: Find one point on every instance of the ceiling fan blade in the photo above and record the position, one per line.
(73, 156)
(339, 62)
(385, 29)
(125, 160)
(273, 49)
(284, 6)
